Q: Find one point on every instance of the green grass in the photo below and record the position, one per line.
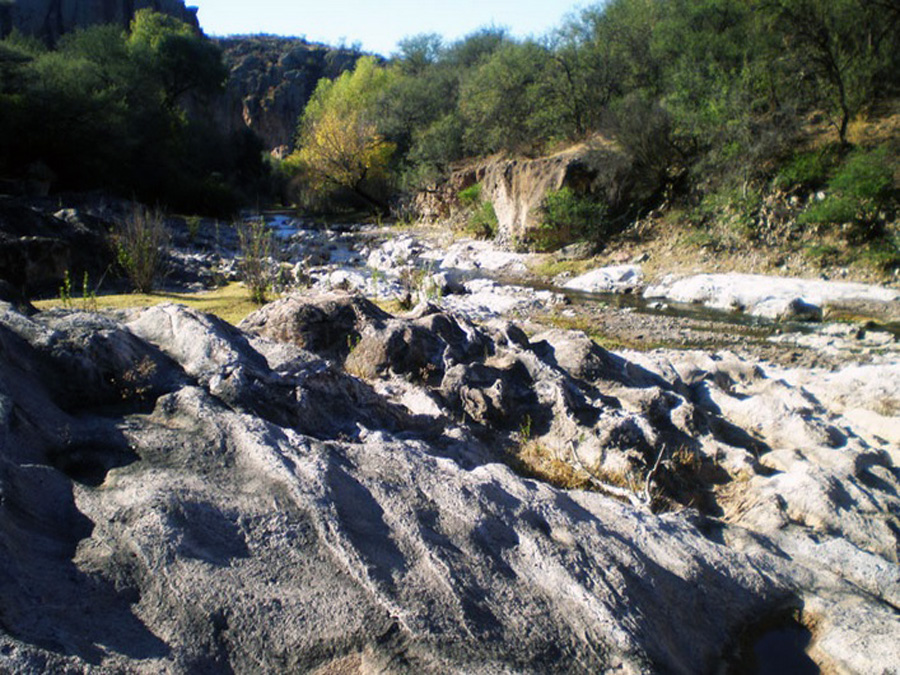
(230, 303)
(549, 266)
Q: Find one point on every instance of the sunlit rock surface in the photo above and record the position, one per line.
(177, 495)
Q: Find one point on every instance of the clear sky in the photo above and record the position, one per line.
(378, 25)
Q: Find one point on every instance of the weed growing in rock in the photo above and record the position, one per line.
(88, 295)
(141, 243)
(193, 227)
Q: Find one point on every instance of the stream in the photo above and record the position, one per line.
(475, 278)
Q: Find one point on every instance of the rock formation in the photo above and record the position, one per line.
(516, 186)
(180, 495)
(271, 80)
(37, 250)
(50, 19)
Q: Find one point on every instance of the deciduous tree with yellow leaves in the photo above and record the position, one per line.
(338, 141)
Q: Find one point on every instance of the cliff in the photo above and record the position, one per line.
(517, 186)
(271, 80)
(49, 19)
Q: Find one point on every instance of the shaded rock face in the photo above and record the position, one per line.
(271, 80)
(48, 20)
(240, 504)
(37, 249)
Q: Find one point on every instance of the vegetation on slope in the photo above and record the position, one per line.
(712, 101)
(123, 111)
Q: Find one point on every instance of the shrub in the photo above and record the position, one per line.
(141, 244)
(471, 196)
(566, 216)
(257, 247)
(808, 169)
(861, 187)
(481, 221)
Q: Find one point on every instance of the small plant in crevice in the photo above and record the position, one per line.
(257, 249)
(525, 428)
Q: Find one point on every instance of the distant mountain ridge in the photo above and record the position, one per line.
(48, 20)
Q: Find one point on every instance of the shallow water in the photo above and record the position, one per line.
(344, 255)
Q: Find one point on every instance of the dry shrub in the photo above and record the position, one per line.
(257, 248)
(141, 242)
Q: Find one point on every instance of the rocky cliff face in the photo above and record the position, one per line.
(272, 78)
(516, 186)
(324, 492)
(49, 19)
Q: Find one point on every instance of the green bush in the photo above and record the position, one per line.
(471, 196)
(808, 169)
(866, 175)
(481, 221)
(566, 217)
(861, 187)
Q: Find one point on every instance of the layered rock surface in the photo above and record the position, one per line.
(182, 496)
(777, 297)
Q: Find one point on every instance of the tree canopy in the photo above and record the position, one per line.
(108, 108)
(712, 84)
(338, 139)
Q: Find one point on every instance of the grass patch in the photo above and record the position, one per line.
(230, 303)
(534, 460)
(608, 342)
(550, 266)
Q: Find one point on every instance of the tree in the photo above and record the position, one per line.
(419, 52)
(172, 53)
(507, 102)
(841, 45)
(338, 141)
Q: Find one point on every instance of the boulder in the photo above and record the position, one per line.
(614, 279)
(37, 249)
(325, 323)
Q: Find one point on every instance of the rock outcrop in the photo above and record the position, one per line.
(271, 80)
(779, 298)
(182, 496)
(517, 186)
(48, 20)
(37, 249)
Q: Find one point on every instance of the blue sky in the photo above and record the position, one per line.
(378, 25)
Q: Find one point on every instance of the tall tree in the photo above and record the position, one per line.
(338, 141)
